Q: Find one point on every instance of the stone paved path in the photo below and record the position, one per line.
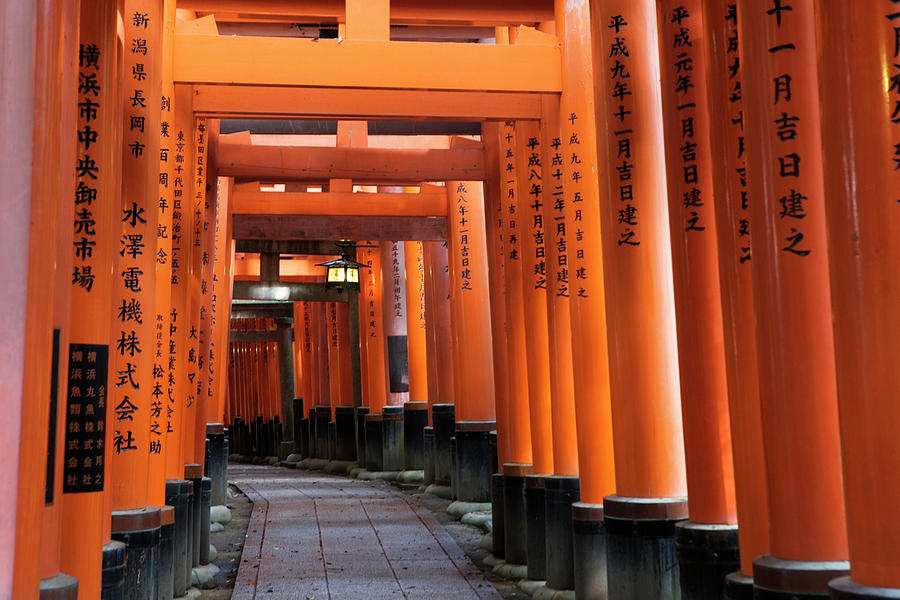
(315, 536)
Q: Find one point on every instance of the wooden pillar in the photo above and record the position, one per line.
(532, 258)
(221, 301)
(325, 374)
(375, 338)
(414, 268)
(793, 306)
(363, 328)
(335, 372)
(861, 136)
(517, 405)
(432, 388)
(346, 397)
(733, 227)
(393, 289)
(438, 275)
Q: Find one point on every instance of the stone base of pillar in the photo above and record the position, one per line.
(332, 440)
(640, 547)
(321, 416)
(361, 412)
(191, 533)
(205, 505)
(778, 579)
(166, 589)
(303, 444)
(217, 462)
(285, 449)
(344, 433)
(561, 492)
(535, 528)
(454, 468)
(428, 455)
(415, 419)
(738, 586)
(392, 438)
(297, 425)
(444, 428)
(177, 498)
(473, 452)
(194, 474)
(59, 587)
(843, 588)
(514, 517)
(589, 551)
(112, 580)
(139, 531)
(706, 555)
(374, 444)
(498, 531)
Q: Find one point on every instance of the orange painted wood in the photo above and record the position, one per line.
(352, 227)
(291, 102)
(335, 373)
(583, 265)
(425, 204)
(375, 344)
(735, 277)
(471, 325)
(559, 332)
(414, 270)
(367, 20)
(393, 290)
(643, 354)
(299, 163)
(223, 285)
(532, 259)
(698, 302)
(384, 65)
(791, 285)
(438, 275)
(861, 140)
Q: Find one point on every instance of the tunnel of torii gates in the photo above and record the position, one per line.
(629, 275)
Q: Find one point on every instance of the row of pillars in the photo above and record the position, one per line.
(117, 258)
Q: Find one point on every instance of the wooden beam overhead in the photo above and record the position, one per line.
(403, 12)
(245, 60)
(424, 204)
(311, 247)
(288, 291)
(261, 101)
(291, 163)
(354, 227)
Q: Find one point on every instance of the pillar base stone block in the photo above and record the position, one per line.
(779, 579)
(177, 498)
(428, 454)
(166, 588)
(514, 526)
(497, 518)
(640, 547)
(843, 588)
(707, 553)
(344, 433)
(536, 527)
(473, 452)
(442, 417)
(589, 551)
(415, 419)
(561, 492)
(738, 586)
(59, 587)
(139, 530)
(205, 506)
(112, 581)
(392, 445)
(218, 461)
(360, 413)
(454, 469)
(374, 443)
(321, 417)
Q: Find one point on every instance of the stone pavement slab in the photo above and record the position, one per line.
(316, 536)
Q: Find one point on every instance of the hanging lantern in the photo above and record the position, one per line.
(342, 273)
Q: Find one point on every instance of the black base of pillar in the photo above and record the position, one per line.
(112, 580)
(166, 588)
(415, 419)
(560, 494)
(311, 434)
(535, 527)
(641, 561)
(321, 416)
(332, 440)
(778, 579)
(498, 533)
(303, 445)
(738, 586)
(514, 518)
(177, 498)
(191, 539)
(194, 474)
(428, 454)
(392, 438)
(843, 588)
(59, 587)
(218, 463)
(297, 424)
(589, 551)
(473, 453)
(444, 428)
(454, 468)
(344, 433)
(139, 531)
(374, 446)
(205, 496)
(706, 555)
(361, 412)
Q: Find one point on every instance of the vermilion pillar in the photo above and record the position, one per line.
(643, 359)
(733, 228)
(474, 410)
(393, 289)
(860, 69)
(698, 306)
(415, 321)
(432, 390)
(793, 307)
(375, 369)
(439, 273)
(335, 373)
